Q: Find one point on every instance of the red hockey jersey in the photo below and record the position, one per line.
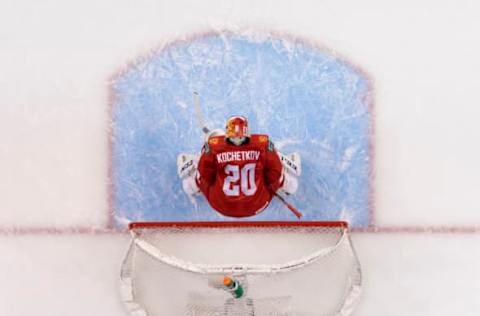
(239, 181)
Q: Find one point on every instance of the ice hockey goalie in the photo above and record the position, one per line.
(238, 172)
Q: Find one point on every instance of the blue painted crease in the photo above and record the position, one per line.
(307, 100)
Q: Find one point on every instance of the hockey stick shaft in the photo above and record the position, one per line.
(292, 208)
(198, 112)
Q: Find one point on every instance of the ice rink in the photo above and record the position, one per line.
(60, 255)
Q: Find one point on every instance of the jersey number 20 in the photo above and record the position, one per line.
(246, 175)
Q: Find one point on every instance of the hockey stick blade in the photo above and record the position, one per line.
(292, 208)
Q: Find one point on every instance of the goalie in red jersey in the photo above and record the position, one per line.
(238, 173)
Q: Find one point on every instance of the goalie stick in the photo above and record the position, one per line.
(198, 113)
(292, 208)
(206, 130)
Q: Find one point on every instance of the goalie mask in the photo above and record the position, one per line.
(237, 130)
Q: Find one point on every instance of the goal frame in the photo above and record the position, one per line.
(136, 229)
(237, 224)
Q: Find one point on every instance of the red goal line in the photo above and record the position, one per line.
(79, 230)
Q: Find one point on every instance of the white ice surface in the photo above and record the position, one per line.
(61, 275)
(55, 61)
(76, 275)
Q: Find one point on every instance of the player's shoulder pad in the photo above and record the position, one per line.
(260, 138)
(213, 143)
(215, 140)
(263, 140)
(207, 146)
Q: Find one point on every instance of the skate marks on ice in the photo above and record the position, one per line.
(305, 97)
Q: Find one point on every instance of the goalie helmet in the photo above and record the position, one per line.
(237, 130)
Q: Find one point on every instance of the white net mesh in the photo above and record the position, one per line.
(282, 270)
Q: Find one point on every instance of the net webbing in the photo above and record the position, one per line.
(322, 282)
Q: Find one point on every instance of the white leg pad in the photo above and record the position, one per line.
(290, 184)
(190, 186)
(292, 163)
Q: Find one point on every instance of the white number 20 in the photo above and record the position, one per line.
(247, 180)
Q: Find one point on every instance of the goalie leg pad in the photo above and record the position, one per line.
(290, 184)
(292, 163)
(187, 170)
(190, 186)
(292, 169)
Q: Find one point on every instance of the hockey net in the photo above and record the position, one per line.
(277, 269)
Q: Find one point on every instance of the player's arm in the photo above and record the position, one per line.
(273, 168)
(206, 169)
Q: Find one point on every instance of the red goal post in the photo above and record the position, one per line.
(237, 224)
(283, 268)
